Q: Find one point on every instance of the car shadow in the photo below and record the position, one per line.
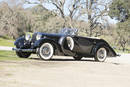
(57, 59)
(70, 60)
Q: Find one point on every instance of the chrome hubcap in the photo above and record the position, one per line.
(46, 51)
(101, 53)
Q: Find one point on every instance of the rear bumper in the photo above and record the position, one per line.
(23, 50)
(118, 55)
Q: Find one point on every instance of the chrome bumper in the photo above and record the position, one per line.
(24, 50)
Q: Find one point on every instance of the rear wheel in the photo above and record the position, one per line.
(46, 51)
(23, 54)
(101, 54)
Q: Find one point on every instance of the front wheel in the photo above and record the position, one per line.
(46, 51)
(101, 54)
(23, 54)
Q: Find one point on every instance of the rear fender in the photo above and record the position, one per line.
(110, 51)
(96, 47)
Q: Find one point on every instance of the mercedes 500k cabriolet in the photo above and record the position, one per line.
(65, 43)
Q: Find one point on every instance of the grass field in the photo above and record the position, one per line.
(6, 42)
(8, 55)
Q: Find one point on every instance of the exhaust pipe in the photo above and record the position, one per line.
(24, 50)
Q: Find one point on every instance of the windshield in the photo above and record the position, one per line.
(68, 31)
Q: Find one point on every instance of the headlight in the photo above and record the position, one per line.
(38, 36)
(27, 37)
(70, 43)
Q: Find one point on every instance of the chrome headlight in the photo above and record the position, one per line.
(27, 37)
(38, 36)
(70, 43)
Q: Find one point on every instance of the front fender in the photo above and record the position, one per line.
(57, 47)
(19, 42)
(38, 43)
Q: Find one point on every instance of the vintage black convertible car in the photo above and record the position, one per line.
(66, 43)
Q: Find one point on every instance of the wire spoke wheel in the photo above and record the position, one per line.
(46, 51)
(101, 54)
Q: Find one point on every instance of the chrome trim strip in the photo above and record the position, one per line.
(24, 50)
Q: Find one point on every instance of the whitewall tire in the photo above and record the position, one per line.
(46, 51)
(70, 42)
(101, 55)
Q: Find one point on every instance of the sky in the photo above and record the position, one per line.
(51, 7)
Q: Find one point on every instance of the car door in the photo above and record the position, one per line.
(85, 45)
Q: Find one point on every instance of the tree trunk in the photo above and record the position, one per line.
(90, 32)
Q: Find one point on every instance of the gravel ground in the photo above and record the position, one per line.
(65, 72)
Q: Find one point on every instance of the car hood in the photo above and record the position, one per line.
(54, 36)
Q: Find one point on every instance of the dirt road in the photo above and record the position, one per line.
(65, 72)
(6, 48)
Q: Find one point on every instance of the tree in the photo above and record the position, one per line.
(60, 5)
(75, 10)
(39, 17)
(73, 7)
(12, 21)
(123, 32)
(96, 11)
(119, 9)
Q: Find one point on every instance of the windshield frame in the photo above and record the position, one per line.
(68, 31)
